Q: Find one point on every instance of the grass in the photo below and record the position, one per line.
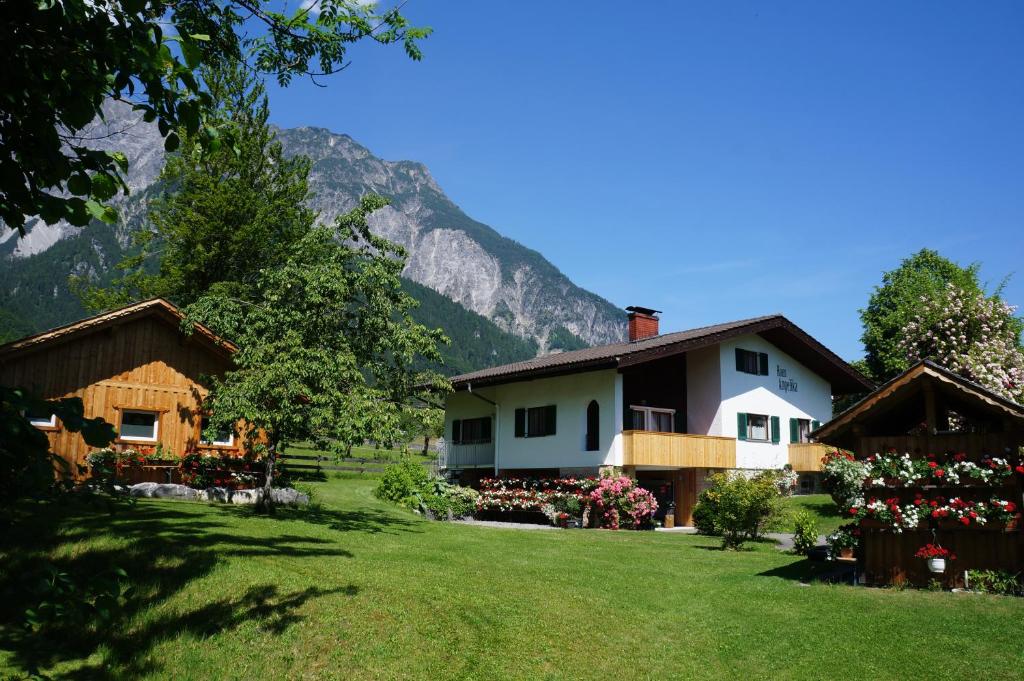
(364, 452)
(354, 588)
(820, 506)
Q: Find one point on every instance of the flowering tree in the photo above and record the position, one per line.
(972, 335)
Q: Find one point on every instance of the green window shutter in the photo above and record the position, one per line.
(739, 360)
(815, 425)
(550, 418)
(794, 430)
(486, 437)
(762, 363)
(520, 422)
(741, 426)
(775, 430)
(456, 431)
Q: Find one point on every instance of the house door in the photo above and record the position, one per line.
(685, 484)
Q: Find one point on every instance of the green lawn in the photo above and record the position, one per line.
(821, 507)
(357, 589)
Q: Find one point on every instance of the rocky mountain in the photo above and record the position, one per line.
(464, 260)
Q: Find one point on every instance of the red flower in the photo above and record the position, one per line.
(939, 473)
(853, 511)
(965, 521)
(932, 464)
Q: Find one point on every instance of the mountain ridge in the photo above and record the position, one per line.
(463, 259)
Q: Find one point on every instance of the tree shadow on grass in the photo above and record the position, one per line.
(162, 550)
(807, 571)
(369, 521)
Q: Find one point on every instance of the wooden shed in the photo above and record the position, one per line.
(931, 413)
(136, 368)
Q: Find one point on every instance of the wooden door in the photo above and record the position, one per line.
(685, 484)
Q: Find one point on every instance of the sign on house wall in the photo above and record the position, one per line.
(786, 384)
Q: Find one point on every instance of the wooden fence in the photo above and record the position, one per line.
(319, 464)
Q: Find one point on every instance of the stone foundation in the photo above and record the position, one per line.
(285, 496)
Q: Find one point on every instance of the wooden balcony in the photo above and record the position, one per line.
(805, 457)
(467, 456)
(645, 448)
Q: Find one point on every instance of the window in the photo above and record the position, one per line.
(139, 425)
(471, 431)
(800, 429)
(653, 419)
(757, 428)
(535, 421)
(223, 438)
(750, 362)
(593, 426)
(41, 419)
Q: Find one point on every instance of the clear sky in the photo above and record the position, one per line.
(714, 160)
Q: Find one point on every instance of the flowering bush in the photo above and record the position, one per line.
(612, 502)
(845, 537)
(843, 476)
(889, 512)
(934, 551)
(201, 471)
(971, 335)
(787, 480)
(618, 500)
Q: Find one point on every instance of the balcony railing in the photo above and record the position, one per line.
(646, 448)
(805, 457)
(467, 456)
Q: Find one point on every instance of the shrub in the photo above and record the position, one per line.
(843, 477)
(403, 483)
(805, 533)
(787, 479)
(743, 506)
(408, 484)
(995, 582)
(705, 511)
(619, 501)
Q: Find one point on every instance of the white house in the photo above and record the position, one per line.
(668, 409)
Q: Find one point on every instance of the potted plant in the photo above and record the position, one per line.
(843, 542)
(935, 556)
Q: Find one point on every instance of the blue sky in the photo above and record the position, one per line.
(712, 160)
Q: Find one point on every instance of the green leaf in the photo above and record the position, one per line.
(172, 142)
(200, 36)
(193, 55)
(80, 184)
(101, 212)
(103, 187)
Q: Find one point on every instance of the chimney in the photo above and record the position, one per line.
(643, 322)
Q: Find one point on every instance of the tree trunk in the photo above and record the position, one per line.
(426, 444)
(265, 503)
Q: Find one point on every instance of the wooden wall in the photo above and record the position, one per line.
(972, 444)
(645, 448)
(144, 363)
(889, 557)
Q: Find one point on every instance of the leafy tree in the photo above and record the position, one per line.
(920, 278)
(971, 335)
(228, 212)
(326, 343)
(64, 58)
(27, 465)
(738, 507)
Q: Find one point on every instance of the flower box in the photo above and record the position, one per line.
(872, 524)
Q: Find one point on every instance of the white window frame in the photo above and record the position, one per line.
(647, 417)
(40, 423)
(767, 428)
(132, 438)
(215, 443)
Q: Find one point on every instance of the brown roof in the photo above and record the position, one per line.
(922, 370)
(776, 329)
(153, 307)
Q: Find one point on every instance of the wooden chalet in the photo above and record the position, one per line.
(136, 368)
(929, 411)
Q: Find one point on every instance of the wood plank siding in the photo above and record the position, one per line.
(143, 362)
(805, 457)
(644, 448)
